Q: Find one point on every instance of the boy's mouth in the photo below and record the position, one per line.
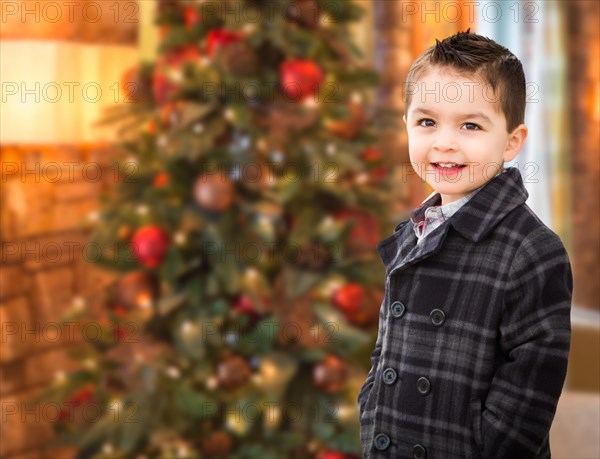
(448, 166)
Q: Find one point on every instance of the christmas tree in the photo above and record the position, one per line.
(243, 232)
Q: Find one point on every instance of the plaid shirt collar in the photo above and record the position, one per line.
(496, 198)
(474, 220)
(430, 212)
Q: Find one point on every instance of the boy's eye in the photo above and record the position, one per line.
(420, 122)
(424, 122)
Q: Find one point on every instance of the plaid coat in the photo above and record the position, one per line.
(474, 334)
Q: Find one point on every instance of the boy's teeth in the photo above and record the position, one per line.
(446, 164)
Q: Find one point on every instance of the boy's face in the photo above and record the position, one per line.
(453, 119)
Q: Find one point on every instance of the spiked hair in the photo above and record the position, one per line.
(476, 56)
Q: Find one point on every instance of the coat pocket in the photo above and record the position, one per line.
(476, 413)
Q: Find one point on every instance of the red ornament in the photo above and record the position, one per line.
(375, 157)
(183, 54)
(162, 88)
(83, 396)
(371, 154)
(360, 305)
(191, 17)
(349, 298)
(245, 305)
(149, 245)
(161, 179)
(221, 37)
(333, 455)
(366, 230)
(300, 78)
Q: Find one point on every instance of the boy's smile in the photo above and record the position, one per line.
(456, 121)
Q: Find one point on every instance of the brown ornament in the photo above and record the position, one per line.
(304, 12)
(214, 192)
(350, 127)
(217, 444)
(136, 87)
(169, 6)
(136, 290)
(233, 372)
(282, 118)
(239, 58)
(298, 323)
(331, 374)
(314, 256)
(257, 176)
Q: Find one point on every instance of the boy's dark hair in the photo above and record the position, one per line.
(474, 55)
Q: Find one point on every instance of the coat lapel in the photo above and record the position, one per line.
(474, 221)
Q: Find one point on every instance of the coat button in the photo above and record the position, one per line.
(382, 441)
(423, 385)
(398, 309)
(389, 376)
(437, 317)
(419, 452)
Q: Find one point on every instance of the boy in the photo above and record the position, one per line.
(474, 329)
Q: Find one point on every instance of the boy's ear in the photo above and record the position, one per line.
(404, 118)
(516, 139)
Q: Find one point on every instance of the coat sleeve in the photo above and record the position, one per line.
(534, 335)
(375, 356)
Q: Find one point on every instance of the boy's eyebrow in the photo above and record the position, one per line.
(468, 115)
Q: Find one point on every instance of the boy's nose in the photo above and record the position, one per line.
(445, 141)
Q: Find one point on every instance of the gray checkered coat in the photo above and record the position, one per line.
(474, 334)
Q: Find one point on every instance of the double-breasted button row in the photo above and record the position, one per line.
(423, 385)
(437, 317)
(397, 309)
(419, 452)
(382, 441)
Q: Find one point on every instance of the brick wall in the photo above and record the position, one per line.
(47, 196)
(584, 93)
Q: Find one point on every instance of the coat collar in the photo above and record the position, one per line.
(474, 220)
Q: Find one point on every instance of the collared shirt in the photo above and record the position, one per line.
(437, 214)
